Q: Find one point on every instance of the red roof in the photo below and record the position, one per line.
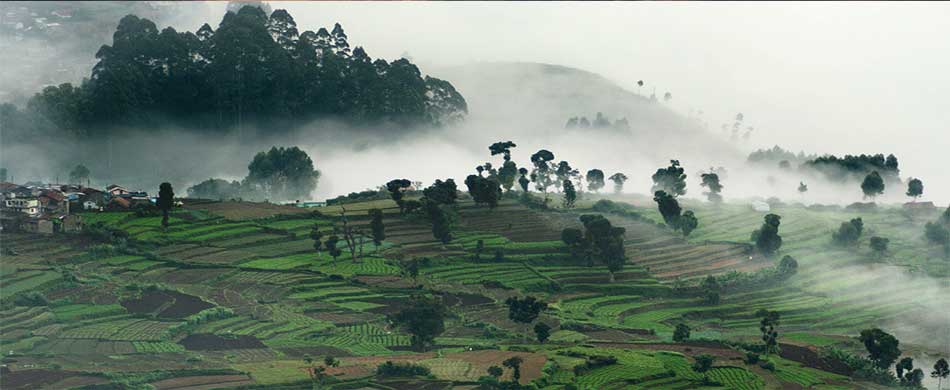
(54, 195)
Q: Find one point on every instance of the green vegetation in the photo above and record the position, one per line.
(276, 296)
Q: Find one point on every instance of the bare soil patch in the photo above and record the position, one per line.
(810, 358)
(196, 382)
(166, 304)
(299, 352)
(246, 210)
(34, 379)
(465, 299)
(212, 342)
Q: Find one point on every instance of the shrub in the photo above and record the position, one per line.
(751, 357)
(767, 364)
(401, 369)
(849, 232)
(593, 362)
(31, 298)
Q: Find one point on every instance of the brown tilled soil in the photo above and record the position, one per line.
(465, 299)
(211, 342)
(34, 379)
(246, 210)
(202, 382)
(413, 384)
(809, 358)
(167, 304)
(299, 352)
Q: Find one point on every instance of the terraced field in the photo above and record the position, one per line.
(251, 296)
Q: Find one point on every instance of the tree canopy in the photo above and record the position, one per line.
(671, 179)
(423, 318)
(883, 348)
(618, 179)
(252, 69)
(595, 180)
(873, 185)
(767, 240)
(711, 181)
(283, 173)
(915, 188)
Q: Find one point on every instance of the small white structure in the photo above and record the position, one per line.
(761, 206)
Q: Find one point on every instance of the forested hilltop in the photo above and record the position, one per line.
(251, 70)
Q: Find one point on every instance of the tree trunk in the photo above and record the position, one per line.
(612, 277)
(165, 218)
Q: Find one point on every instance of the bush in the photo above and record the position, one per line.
(937, 233)
(862, 367)
(31, 298)
(849, 232)
(593, 362)
(751, 357)
(767, 364)
(401, 369)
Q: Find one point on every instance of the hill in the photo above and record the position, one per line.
(534, 99)
(233, 294)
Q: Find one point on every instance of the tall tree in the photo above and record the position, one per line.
(618, 179)
(940, 372)
(873, 185)
(564, 172)
(514, 363)
(484, 190)
(711, 181)
(442, 192)
(770, 321)
(377, 227)
(671, 180)
(332, 246)
(165, 202)
(570, 195)
(542, 172)
(915, 188)
(669, 208)
(542, 331)
(883, 349)
(523, 180)
(283, 173)
(766, 238)
(524, 310)
(424, 319)
(397, 189)
(440, 220)
(316, 235)
(595, 180)
(605, 242)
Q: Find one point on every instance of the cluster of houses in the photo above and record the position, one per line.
(51, 208)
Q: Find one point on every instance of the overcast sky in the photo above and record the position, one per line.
(824, 77)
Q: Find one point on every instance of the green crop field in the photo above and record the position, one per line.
(254, 297)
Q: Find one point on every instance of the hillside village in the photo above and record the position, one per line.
(52, 208)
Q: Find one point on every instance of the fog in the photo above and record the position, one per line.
(823, 78)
